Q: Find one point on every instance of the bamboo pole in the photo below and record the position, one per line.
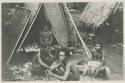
(18, 40)
(24, 36)
(83, 43)
(116, 7)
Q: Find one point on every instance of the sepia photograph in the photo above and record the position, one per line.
(62, 41)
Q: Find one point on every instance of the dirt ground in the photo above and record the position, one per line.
(113, 56)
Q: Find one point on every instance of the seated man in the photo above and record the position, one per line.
(42, 61)
(97, 52)
(62, 69)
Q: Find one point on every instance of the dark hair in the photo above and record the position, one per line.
(98, 42)
(67, 52)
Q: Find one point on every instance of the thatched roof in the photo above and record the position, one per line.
(96, 14)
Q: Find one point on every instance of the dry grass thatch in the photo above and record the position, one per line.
(96, 14)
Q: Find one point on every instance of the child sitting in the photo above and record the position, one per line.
(97, 53)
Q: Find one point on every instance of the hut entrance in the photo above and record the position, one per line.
(40, 34)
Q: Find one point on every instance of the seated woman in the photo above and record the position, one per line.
(62, 69)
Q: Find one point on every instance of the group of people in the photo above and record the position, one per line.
(53, 61)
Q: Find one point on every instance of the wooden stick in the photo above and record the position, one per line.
(18, 40)
(83, 43)
(116, 8)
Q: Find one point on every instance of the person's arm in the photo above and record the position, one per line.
(66, 74)
(55, 65)
(50, 53)
(103, 54)
(92, 52)
(41, 62)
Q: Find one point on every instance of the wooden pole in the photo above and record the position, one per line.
(83, 43)
(116, 7)
(26, 33)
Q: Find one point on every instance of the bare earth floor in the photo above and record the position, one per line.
(113, 56)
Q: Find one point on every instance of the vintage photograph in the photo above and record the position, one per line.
(66, 41)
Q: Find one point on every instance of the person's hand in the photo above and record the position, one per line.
(49, 72)
(55, 65)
